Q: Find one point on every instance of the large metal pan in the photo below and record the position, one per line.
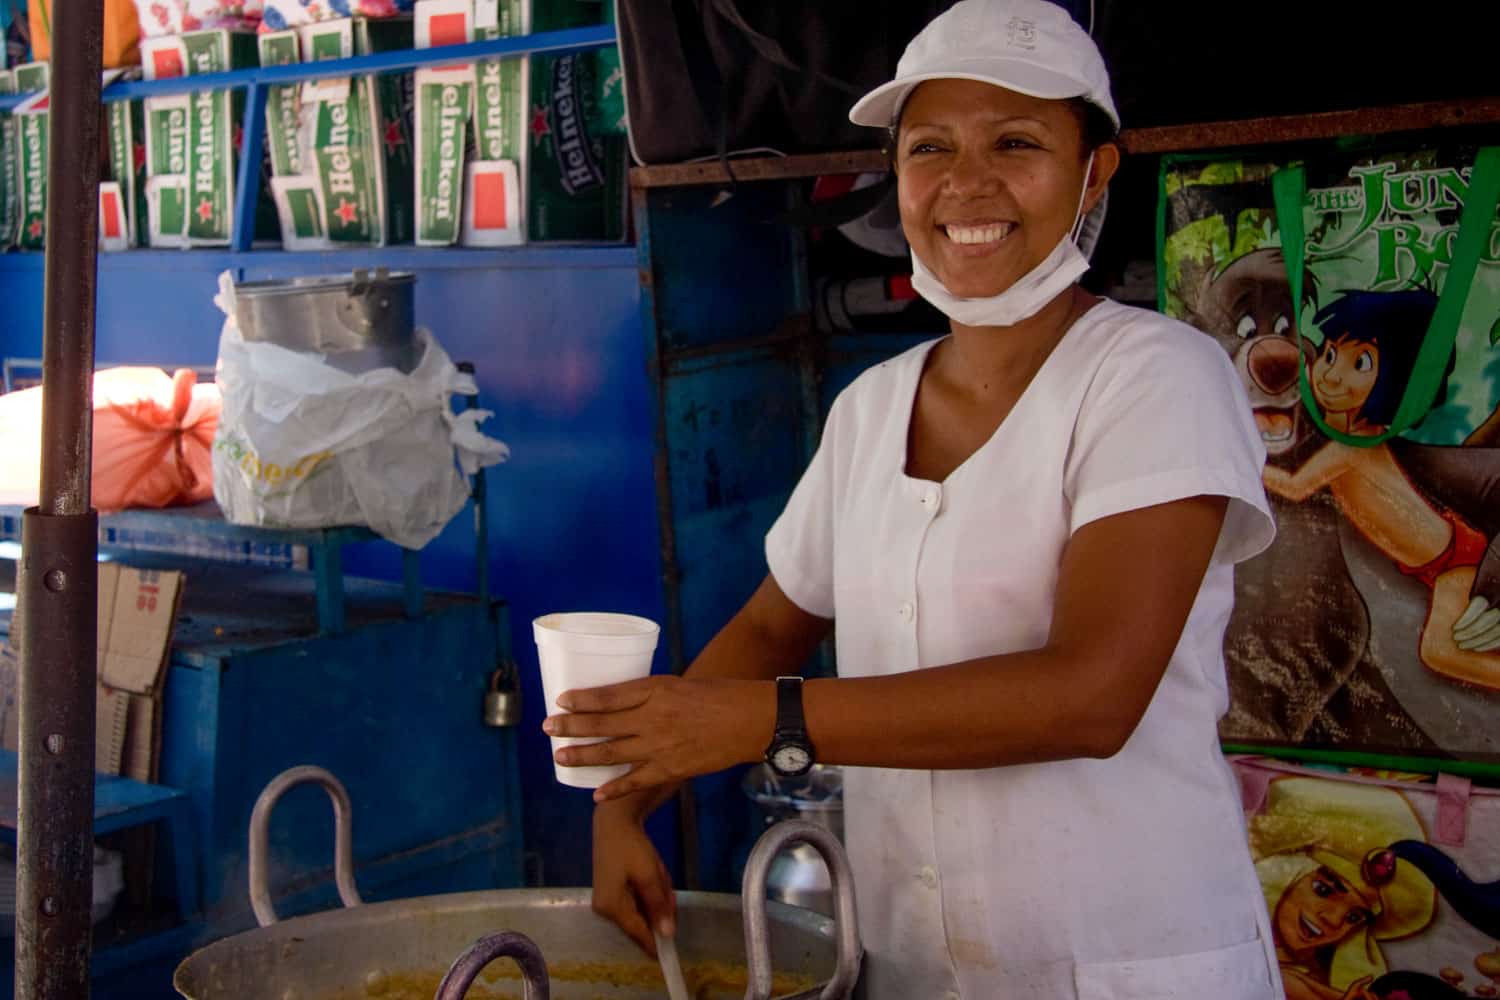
(399, 950)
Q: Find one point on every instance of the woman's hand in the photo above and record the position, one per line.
(631, 885)
(670, 728)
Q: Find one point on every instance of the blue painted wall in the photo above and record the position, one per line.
(556, 337)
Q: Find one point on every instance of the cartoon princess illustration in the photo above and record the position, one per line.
(1370, 349)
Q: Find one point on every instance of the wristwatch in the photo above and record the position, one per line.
(790, 752)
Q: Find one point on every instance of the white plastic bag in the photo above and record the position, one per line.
(303, 444)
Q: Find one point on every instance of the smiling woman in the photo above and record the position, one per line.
(1023, 536)
(991, 182)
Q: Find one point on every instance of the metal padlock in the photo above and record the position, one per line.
(502, 701)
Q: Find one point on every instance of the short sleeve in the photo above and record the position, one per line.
(1166, 418)
(799, 546)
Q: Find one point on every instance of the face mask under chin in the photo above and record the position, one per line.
(1033, 290)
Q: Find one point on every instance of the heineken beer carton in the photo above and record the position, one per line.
(500, 87)
(31, 173)
(200, 127)
(167, 166)
(114, 225)
(283, 104)
(166, 209)
(127, 164)
(9, 158)
(166, 146)
(299, 207)
(577, 186)
(355, 145)
(32, 76)
(393, 95)
(341, 155)
(492, 202)
(444, 100)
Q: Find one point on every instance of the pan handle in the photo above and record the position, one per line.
(757, 924)
(512, 944)
(260, 827)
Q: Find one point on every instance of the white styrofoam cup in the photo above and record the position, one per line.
(590, 649)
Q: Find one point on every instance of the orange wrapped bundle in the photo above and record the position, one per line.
(153, 438)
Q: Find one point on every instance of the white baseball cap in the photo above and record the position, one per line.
(1033, 47)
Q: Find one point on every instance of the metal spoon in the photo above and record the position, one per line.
(671, 969)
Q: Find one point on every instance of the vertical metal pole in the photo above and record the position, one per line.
(59, 575)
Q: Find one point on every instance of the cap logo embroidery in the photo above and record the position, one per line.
(1020, 33)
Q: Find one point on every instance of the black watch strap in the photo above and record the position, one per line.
(790, 722)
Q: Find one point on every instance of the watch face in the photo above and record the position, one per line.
(790, 759)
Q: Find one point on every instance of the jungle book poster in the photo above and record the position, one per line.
(1373, 622)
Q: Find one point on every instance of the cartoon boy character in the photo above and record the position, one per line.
(1370, 349)
(1333, 889)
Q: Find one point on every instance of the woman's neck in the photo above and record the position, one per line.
(988, 360)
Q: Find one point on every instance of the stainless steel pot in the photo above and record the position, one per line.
(398, 950)
(357, 322)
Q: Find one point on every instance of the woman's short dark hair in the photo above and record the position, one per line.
(1096, 127)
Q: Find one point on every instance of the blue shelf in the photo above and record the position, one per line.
(570, 40)
(120, 803)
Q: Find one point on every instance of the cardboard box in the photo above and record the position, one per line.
(444, 99)
(352, 142)
(127, 164)
(193, 135)
(492, 203)
(166, 170)
(32, 76)
(577, 177)
(394, 96)
(500, 89)
(114, 221)
(136, 612)
(32, 122)
(299, 209)
(281, 48)
(9, 163)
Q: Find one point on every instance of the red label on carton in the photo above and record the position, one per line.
(489, 201)
(113, 213)
(449, 29)
(167, 63)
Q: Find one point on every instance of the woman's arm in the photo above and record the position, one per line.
(1126, 586)
(767, 638)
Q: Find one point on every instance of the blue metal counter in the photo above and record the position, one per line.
(392, 706)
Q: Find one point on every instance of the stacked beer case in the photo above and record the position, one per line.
(23, 148)
(546, 157)
(191, 147)
(492, 153)
(340, 149)
(577, 184)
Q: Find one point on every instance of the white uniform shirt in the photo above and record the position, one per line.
(1122, 878)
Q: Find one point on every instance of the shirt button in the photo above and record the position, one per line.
(931, 497)
(906, 611)
(927, 875)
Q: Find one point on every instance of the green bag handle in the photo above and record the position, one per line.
(1289, 186)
